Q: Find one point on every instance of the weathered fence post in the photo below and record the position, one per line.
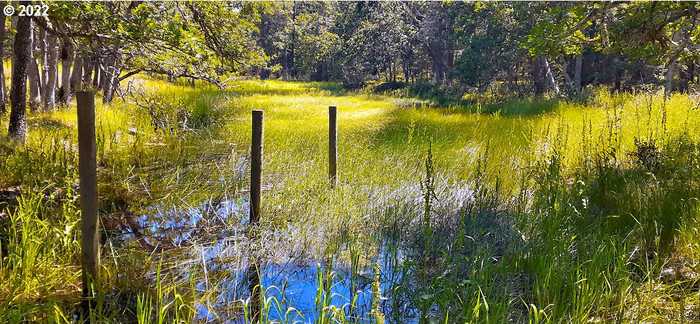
(256, 151)
(256, 148)
(332, 145)
(88, 192)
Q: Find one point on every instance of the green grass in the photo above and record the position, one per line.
(566, 225)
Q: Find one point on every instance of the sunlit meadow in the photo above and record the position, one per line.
(498, 184)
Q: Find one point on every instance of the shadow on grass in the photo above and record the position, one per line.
(285, 88)
(47, 123)
(520, 107)
(432, 96)
(454, 128)
(333, 88)
(515, 107)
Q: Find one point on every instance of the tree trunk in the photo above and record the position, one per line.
(668, 77)
(101, 75)
(617, 74)
(683, 80)
(66, 78)
(538, 78)
(406, 72)
(550, 76)
(51, 67)
(34, 85)
(88, 65)
(76, 78)
(41, 41)
(285, 65)
(22, 54)
(34, 76)
(3, 98)
(110, 76)
(291, 58)
(577, 73)
(97, 75)
(438, 66)
(390, 69)
(438, 22)
(512, 77)
(671, 65)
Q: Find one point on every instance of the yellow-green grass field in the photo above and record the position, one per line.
(383, 145)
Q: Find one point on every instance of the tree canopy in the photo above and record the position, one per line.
(476, 46)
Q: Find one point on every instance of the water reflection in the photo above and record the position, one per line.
(302, 292)
(216, 248)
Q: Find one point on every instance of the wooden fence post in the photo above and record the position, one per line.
(256, 149)
(88, 192)
(332, 145)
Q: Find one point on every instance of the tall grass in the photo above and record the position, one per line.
(600, 234)
(526, 211)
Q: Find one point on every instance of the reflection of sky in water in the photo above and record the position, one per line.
(295, 287)
(291, 286)
(177, 226)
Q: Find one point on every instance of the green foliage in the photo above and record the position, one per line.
(228, 31)
(490, 35)
(559, 30)
(655, 32)
(195, 40)
(452, 44)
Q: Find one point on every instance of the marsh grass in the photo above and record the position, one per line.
(543, 211)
